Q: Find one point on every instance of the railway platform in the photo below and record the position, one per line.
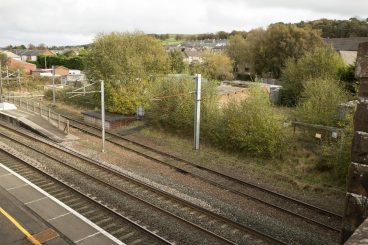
(35, 123)
(29, 215)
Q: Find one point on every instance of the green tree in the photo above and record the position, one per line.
(319, 63)
(268, 50)
(216, 66)
(236, 49)
(320, 101)
(177, 64)
(128, 63)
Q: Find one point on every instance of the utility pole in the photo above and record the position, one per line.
(103, 114)
(77, 92)
(45, 63)
(53, 85)
(7, 76)
(1, 83)
(197, 112)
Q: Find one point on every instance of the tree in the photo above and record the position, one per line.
(216, 66)
(128, 63)
(268, 50)
(318, 63)
(177, 63)
(41, 46)
(320, 100)
(339, 28)
(31, 46)
(236, 50)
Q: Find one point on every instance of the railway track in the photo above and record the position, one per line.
(113, 222)
(216, 229)
(307, 212)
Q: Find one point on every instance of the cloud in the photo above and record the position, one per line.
(71, 22)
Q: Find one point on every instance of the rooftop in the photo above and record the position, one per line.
(346, 44)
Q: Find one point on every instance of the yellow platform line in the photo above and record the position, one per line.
(24, 231)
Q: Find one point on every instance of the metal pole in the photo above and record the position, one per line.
(1, 83)
(53, 85)
(197, 112)
(7, 76)
(18, 78)
(103, 114)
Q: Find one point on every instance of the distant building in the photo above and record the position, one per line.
(346, 47)
(61, 70)
(26, 54)
(26, 67)
(11, 55)
(192, 57)
(73, 76)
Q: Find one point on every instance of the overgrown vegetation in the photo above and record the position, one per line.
(128, 63)
(71, 62)
(251, 127)
(320, 101)
(321, 62)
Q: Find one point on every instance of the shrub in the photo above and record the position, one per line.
(319, 63)
(173, 104)
(320, 101)
(252, 126)
(335, 156)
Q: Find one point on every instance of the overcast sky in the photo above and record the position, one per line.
(72, 22)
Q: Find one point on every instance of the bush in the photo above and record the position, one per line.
(347, 76)
(173, 104)
(250, 127)
(320, 101)
(319, 63)
(335, 156)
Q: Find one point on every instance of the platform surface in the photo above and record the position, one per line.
(39, 124)
(36, 211)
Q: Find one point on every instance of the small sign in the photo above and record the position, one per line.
(334, 135)
(140, 111)
(318, 136)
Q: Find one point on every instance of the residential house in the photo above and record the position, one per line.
(61, 70)
(26, 67)
(192, 57)
(26, 54)
(11, 55)
(346, 47)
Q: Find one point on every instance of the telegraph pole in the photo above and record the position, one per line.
(103, 114)
(53, 85)
(197, 112)
(1, 83)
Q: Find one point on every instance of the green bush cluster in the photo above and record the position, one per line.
(319, 104)
(319, 63)
(320, 101)
(250, 127)
(84, 101)
(74, 62)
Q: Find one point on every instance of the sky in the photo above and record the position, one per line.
(75, 22)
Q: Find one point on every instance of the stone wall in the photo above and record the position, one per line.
(356, 202)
